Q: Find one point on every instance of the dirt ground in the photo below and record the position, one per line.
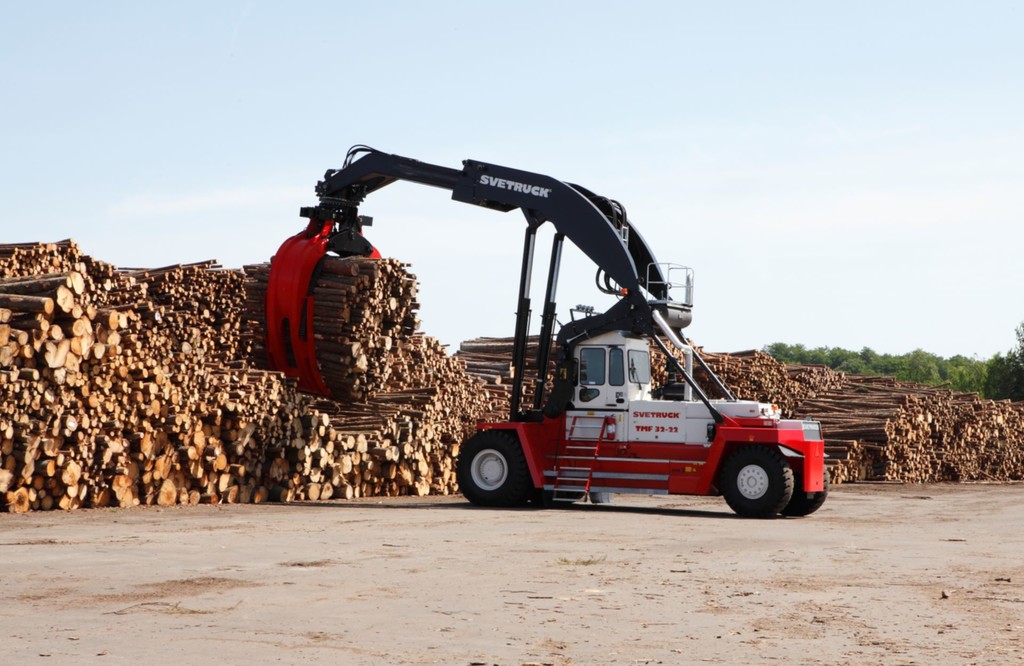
(882, 574)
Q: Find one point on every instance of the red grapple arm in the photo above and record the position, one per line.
(289, 307)
(290, 304)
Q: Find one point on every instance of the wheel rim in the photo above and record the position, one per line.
(489, 470)
(752, 482)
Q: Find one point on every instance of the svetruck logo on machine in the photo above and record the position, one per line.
(655, 415)
(515, 186)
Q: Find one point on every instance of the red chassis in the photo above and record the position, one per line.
(658, 467)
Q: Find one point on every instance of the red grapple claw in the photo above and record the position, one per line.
(289, 306)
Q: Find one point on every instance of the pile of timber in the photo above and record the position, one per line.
(880, 429)
(362, 308)
(107, 401)
(755, 375)
(877, 428)
(752, 375)
(490, 360)
(121, 387)
(198, 306)
(399, 441)
(400, 404)
(807, 381)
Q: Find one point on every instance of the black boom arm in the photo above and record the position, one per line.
(596, 225)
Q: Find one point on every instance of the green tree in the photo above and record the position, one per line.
(1006, 372)
(966, 374)
(921, 367)
(854, 365)
(958, 373)
(785, 353)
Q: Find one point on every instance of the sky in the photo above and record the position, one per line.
(837, 174)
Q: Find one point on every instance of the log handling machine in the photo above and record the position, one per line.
(602, 428)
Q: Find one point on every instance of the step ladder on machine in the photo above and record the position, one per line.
(572, 480)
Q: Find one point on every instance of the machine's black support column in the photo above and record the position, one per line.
(522, 322)
(547, 320)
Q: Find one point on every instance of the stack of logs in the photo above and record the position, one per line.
(121, 387)
(112, 396)
(877, 428)
(880, 429)
(490, 360)
(398, 398)
(362, 309)
(402, 440)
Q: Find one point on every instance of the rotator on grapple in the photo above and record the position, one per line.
(600, 430)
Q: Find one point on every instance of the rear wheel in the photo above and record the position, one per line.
(492, 470)
(803, 505)
(756, 481)
(601, 497)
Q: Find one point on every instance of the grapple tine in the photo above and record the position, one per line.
(289, 306)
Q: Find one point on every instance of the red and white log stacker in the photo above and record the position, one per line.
(601, 429)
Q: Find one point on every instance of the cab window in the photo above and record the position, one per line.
(591, 366)
(639, 367)
(616, 367)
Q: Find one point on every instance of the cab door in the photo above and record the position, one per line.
(600, 393)
(601, 383)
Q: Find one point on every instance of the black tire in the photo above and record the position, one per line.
(602, 497)
(756, 481)
(801, 504)
(492, 470)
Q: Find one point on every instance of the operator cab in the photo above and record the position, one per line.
(613, 370)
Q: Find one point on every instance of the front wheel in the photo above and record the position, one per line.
(803, 505)
(492, 470)
(756, 481)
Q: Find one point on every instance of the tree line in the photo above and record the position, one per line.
(999, 377)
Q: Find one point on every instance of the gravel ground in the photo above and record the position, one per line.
(882, 574)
